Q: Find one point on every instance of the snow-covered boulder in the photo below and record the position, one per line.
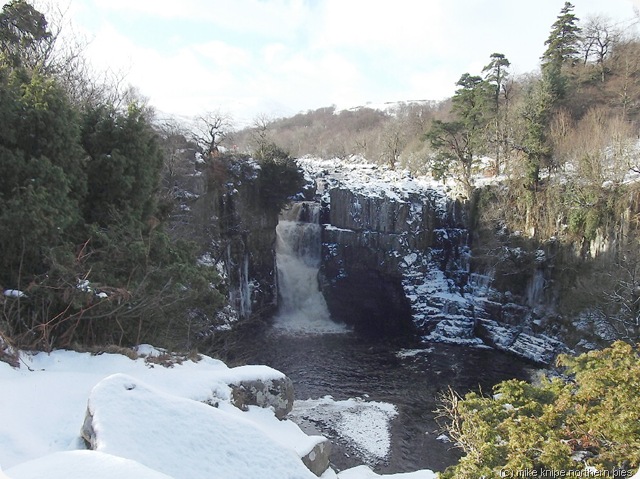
(317, 460)
(180, 437)
(275, 393)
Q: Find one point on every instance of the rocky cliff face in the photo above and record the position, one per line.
(365, 243)
(238, 234)
(575, 285)
(396, 261)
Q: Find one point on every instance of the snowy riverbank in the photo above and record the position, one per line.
(148, 421)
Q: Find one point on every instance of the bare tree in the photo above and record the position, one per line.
(599, 36)
(61, 52)
(260, 134)
(618, 293)
(626, 85)
(210, 130)
(175, 145)
(393, 142)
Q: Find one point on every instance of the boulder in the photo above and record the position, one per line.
(87, 432)
(183, 438)
(274, 393)
(317, 460)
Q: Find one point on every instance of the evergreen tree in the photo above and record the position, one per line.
(536, 113)
(124, 165)
(562, 49)
(24, 35)
(42, 177)
(77, 199)
(496, 74)
(459, 142)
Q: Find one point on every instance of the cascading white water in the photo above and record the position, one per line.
(298, 246)
(535, 288)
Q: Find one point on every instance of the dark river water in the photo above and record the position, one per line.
(346, 366)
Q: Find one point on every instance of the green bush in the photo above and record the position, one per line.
(591, 419)
(79, 230)
(279, 179)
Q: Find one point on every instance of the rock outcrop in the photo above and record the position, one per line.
(317, 460)
(238, 233)
(397, 261)
(273, 393)
(365, 241)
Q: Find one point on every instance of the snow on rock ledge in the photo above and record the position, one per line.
(127, 418)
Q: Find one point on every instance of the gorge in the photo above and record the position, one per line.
(378, 286)
(394, 257)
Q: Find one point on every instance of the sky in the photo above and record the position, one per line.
(275, 58)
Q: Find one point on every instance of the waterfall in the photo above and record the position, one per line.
(240, 291)
(302, 307)
(480, 284)
(535, 288)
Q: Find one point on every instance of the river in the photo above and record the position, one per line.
(347, 366)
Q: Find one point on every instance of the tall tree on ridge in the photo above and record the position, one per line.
(496, 74)
(562, 49)
(24, 35)
(458, 143)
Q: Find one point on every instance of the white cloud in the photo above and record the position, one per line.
(182, 82)
(272, 17)
(431, 85)
(223, 54)
(401, 26)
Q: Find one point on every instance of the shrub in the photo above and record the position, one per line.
(587, 419)
(280, 178)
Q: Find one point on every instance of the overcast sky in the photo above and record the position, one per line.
(278, 57)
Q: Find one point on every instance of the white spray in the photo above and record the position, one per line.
(302, 307)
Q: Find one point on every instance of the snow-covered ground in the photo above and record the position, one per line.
(151, 421)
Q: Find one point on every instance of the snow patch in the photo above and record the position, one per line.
(363, 425)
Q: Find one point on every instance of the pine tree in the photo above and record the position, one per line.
(24, 35)
(459, 142)
(496, 74)
(562, 49)
(125, 161)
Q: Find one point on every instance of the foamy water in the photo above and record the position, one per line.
(302, 307)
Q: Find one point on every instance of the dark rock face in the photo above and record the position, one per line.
(372, 302)
(396, 261)
(241, 234)
(363, 246)
(368, 240)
